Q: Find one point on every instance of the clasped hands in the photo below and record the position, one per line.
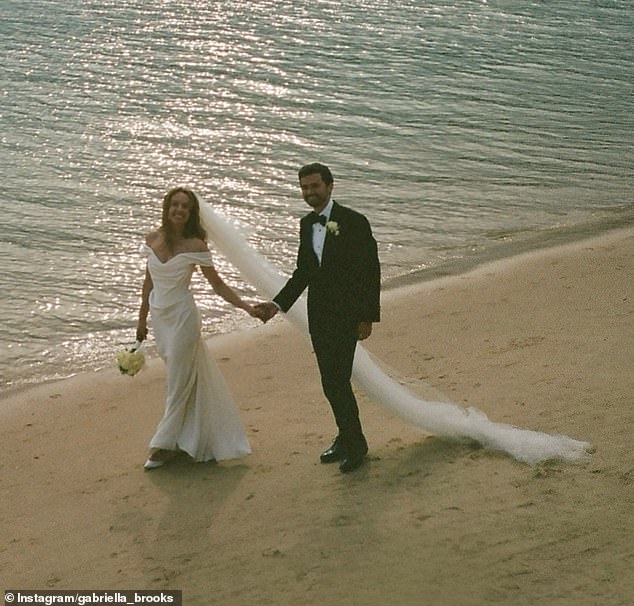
(266, 310)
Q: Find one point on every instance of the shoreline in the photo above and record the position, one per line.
(542, 341)
(505, 251)
(510, 247)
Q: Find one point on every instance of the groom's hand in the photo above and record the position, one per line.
(266, 311)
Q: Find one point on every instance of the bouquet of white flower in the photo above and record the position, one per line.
(131, 360)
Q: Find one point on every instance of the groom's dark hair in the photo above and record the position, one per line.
(316, 167)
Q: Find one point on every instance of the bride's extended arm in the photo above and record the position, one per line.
(225, 291)
(141, 328)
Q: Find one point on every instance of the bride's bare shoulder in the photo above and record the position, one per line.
(197, 245)
(153, 237)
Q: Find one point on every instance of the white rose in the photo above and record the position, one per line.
(333, 227)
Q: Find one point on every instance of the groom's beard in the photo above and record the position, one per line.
(315, 200)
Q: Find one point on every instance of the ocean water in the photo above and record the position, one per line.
(460, 128)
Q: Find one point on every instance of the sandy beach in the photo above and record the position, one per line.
(543, 340)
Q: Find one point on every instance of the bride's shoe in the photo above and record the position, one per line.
(158, 458)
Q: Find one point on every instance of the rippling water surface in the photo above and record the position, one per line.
(454, 126)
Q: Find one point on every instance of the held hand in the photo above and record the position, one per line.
(265, 311)
(254, 312)
(365, 330)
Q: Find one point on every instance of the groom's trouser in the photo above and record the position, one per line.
(335, 355)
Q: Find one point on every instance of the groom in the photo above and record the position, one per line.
(338, 262)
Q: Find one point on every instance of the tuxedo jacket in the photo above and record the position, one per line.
(345, 289)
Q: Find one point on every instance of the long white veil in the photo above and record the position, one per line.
(437, 417)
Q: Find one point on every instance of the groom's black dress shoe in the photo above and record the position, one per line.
(352, 462)
(355, 456)
(334, 453)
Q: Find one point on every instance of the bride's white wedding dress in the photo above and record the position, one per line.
(200, 415)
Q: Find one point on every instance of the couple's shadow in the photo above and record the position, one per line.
(201, 496)
(185, 522)
(187, 483)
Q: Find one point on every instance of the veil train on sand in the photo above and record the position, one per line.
(437, 417)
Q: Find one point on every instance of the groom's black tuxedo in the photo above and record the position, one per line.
(342, 292)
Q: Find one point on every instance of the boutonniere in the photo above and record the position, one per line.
(333, 227)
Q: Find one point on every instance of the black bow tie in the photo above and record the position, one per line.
(315, 218)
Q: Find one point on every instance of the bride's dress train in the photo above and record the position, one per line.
(438, 417)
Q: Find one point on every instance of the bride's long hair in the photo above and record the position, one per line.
(193, 227)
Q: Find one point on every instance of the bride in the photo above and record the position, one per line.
(200, 417)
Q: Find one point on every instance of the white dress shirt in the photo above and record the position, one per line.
(319, 231)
